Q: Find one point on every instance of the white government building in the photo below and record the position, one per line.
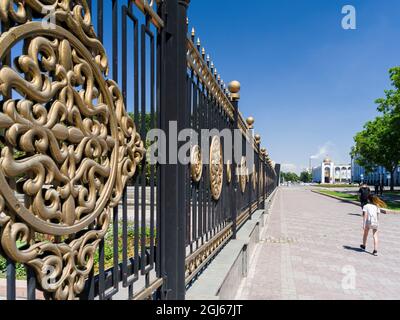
(378, 175)
(330, 173)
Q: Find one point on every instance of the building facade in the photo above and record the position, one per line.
(330, 173)
(378, 175)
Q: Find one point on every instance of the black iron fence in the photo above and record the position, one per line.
(84, 213)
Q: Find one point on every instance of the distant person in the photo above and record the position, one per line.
(371, 213)
(381, 188)
(376, 188)
(364, 193)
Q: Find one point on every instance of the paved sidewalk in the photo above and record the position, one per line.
(310, 251)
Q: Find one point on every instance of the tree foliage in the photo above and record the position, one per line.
(378, 144)
(290, 176)
(306, 177)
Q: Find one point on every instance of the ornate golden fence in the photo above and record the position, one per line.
(82, 213)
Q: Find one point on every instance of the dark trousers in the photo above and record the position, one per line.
(363, 203)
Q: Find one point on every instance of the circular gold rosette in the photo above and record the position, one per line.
(216, 168)
(196, 163)
(67, 143)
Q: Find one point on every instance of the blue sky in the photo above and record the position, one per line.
(310, 84)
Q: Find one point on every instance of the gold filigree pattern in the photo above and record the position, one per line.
(199, 258)
(78, 145)
(216, 168)
(73, 15)
(261, 179)
(148, 8)
(242, 174)
(200, 67)
(254, 177)
(229, 171)
(196, 163)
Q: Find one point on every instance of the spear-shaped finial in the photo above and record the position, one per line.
(193, 34)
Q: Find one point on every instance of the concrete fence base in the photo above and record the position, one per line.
(222, 279)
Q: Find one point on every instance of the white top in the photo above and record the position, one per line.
(372, 212)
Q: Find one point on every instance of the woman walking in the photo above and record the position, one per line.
(371, 213)
(364, 193)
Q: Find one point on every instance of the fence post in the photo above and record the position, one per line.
(172, 175)
(250, 135)
(278, 175)
(234, 89)
(264, 188)
(258, 170)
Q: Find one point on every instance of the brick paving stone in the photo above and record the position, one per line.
(311, 244)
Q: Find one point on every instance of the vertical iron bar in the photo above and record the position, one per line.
(152, 169)
(250, 192)
(100, 19)
(173, 108)
(235, 198)
(102, 288)
(31, 284)
(159, 250)
(116, 209)
(143, 133)
(102, 280)
(136, 116)
(125, 196)
(11, 280)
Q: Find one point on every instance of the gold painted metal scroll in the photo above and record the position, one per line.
(67, 143)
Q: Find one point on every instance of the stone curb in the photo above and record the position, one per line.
(386, 211)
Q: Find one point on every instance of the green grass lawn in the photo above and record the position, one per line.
(332, 186)
(108, 251)
(342, 195)
(392, 205)
(393, 193)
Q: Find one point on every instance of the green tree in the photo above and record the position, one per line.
(390, 104)
(306, 177)
(290, 176)
(378, 144)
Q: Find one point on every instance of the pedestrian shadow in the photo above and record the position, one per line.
(359, 250)
(355, 214)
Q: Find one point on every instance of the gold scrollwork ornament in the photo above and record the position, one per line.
(243, 175)
(196, 163)
(216, 168)
(254, 178)
(76, 145)
(229, 171)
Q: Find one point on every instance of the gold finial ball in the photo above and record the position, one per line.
(257, 137)
(250, 122)
(234, 87)
(263, 151)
